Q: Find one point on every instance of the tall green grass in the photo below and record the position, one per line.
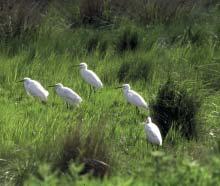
(33, 136)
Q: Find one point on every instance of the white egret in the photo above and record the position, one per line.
(89, 76)
(34, 88)
(153, 133)
(133, 97)
(67, 94)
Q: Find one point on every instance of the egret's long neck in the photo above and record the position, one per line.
(126, 90)
(83, 68)
(26, 82)
(58, 88)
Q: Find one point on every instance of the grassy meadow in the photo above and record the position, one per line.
(176, 63)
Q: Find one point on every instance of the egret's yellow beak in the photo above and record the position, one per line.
(118, 87)
(20, 81)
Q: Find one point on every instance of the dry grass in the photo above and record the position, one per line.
(148, 11)
(91, 11)
(80, 147)
(19, 16)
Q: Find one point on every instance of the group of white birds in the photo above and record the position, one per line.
(34, 88)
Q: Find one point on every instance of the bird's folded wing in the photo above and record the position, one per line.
(36, 89)
(70, 94)
(92, 77)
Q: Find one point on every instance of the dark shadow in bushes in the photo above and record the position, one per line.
(134, 70)
(175, 105)
(90, 149)
(94, 42)
(128, 39)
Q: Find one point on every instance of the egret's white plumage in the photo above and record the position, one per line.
(133, 97)
(89, 76)
(68, 95)
(153, 133)
(34, 88)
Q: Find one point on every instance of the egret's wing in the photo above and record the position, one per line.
(136, 98)
(36, 89)
(92, 78)
(153, 132)
(70, 94)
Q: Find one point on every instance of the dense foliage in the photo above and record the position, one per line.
(168, 52)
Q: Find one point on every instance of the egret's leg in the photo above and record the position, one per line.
(67, 105)
(152, 147)
(90, 91)
(94, 90)
(137, 110)
(157, 147)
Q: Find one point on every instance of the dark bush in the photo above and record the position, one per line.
(19, 17)
(91, 11)
(80, 148)
(153, 11)
(95, 41)
(140, 71)
(134, 70)
(174, 105)
(103, 46)
(101, 12)
(92, 43)
(123, 72)
(127, 40)
(96, 167)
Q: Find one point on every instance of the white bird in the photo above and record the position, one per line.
(34, 88)
(89, 76)
(153, 133)
(68, 95)
(133, 97)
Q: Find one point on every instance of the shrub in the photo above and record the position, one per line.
(103, 46)
(123, 72)
(95, 41)
(134, 70)
(91, 11)
(174, 105)
(80, 148)
(152, 11)
(92, 42)
(128, 39)
(18, 17)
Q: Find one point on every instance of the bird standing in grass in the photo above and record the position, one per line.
(133, 97)
(153, 133)
(89, 76)
(68, 95)
(35, 89)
